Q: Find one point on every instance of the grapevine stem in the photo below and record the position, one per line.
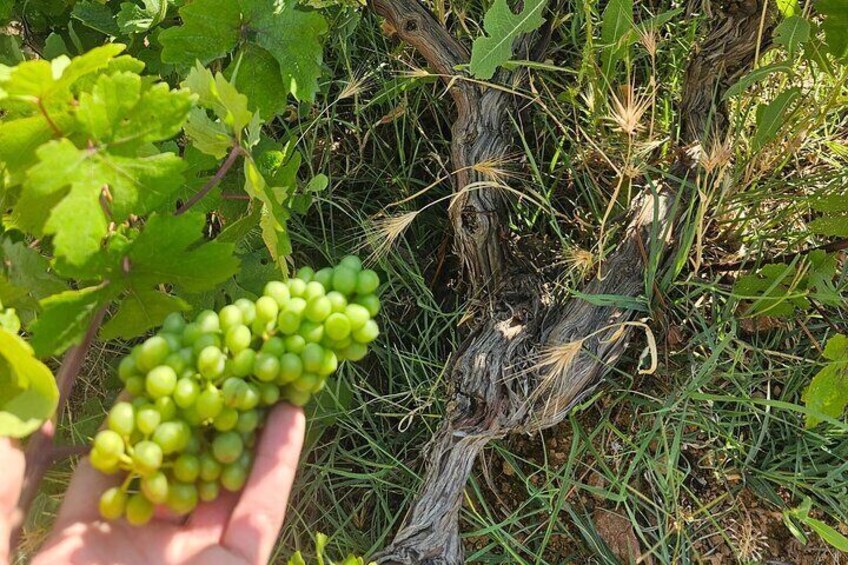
(213, 182)
(40, 451)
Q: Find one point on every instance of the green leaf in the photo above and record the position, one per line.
(770, 117)
(828, 390)
(97, 16)
(834, 26)
(296, 559)
(792, 33)
(65, 194)
(259, 79)
(65, 318)
(831, 203)
(502, 27)
(210, 137)
(54, 46)
(787, 7)
(836, 348)
(833, 226)
(756, 76)
(291, 35)
(189, 264)
(616, 26)
(140, 311)
(28, 392)
(828, 534)
(219, 95)
(10, 49)
(135, 19)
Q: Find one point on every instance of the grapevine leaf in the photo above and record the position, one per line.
(29, 394)
(615, 31)
(212, 138)
(787, 7)
(502, 27)
(135, 19)
(836, 348)
(141, 310)
(770, 117)
(820, 278)
(258, 77)
(28, 270)
(65, 318)
(10, 48)
(20, 138)
(54, 46)
(291, 35)
(77, 186)
(97, 16)
(834, 26)
(831, 203)
(210, 30)
(792, 33)
(190, 264)
(220, 96)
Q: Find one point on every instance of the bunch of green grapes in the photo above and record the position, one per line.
(201, 390)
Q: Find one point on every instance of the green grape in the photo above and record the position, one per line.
(367, 333)
(273, 346)
(305, 274)
(160, 382)
(262, 328)
(209, 322)
(187, 468)
(238, 339)
(289, 319)
(296, 397)
(147, 418)
(248, 398)
(352, 262)
(187, 355)
(112, 503)
(325, 277)
(230, 316)
(337, 326)
(182, 498)
(191, 417)
(109, 443)
(193, 445)
(242, 363)
(177, 362)
(174, 323)
(355, 352)
(139, 402)
(266, 368)
(367, 282)
(191, 333)
(174, 342)
(227, 447)
(105, 463)
(269, 394)
(226, 420)
(311, 332)
(318, 309)
(139, 510)
(211, 362)
(295, 343)
(172, 437)
(186, 392)
(338, 302)
(166, 407)
(233, 477)
(135, 385)
(248, 310)
(122, 418)
(278, 291)
(313, 357)
(209, 403)
(344, 280)
(210, 469)
(306, 382)
(291, 367)
(329, 364)
(313, 290)
(266, 309)
(152, 353)
(371, 303)
(208, 491)
(247, 421)
(127, 369)
(155, 487)
(146, 457)
(319, 386)
(232, 389)
(357, 315)
(296, 287)
(204, 341)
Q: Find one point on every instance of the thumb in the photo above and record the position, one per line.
(12, 463)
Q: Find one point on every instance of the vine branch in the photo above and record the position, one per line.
(235, 152)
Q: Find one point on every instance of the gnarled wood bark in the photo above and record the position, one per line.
(533, 357)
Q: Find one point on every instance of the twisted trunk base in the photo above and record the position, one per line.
(534, 355)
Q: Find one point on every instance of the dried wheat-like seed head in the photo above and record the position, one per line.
(382, 233)
(628, 107)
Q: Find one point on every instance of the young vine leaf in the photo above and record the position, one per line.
(503, 27)
(827, 393)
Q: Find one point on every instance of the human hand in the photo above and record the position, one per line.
(12, 460)
(237, 528)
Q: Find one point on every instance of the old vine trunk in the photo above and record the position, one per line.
(533, 355)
